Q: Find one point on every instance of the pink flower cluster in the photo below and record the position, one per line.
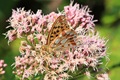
(79, 16)
(34, 29)
(26, 22)
(2, 66)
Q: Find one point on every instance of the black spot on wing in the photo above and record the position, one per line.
(56, 35)
(57, 31)
(51, 36)
(58, 27)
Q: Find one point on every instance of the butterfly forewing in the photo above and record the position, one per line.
(58, 26)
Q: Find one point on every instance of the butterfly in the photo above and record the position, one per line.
(60, 37)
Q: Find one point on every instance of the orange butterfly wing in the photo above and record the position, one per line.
(61, 36)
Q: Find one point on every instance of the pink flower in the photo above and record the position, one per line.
(11, 35)
(2, 66)
(51, 18)
(79, 16)
(103, 76)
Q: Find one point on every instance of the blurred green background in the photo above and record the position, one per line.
(107, 12)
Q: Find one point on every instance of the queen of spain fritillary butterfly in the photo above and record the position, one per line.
(61, 36)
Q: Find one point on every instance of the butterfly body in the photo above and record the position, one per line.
(60, 37)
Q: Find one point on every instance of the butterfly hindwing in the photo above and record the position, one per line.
(66, 39)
